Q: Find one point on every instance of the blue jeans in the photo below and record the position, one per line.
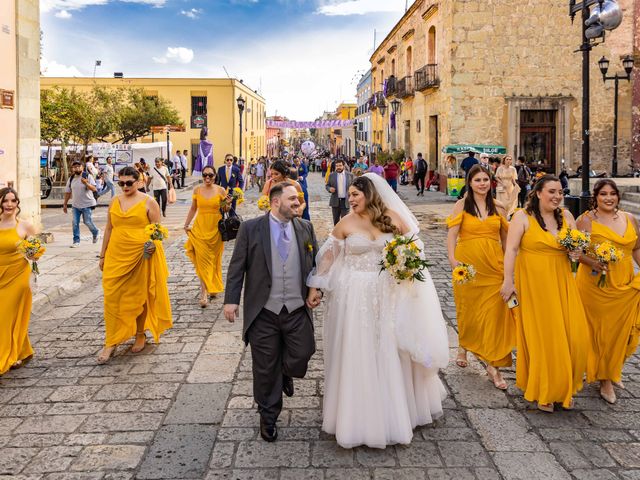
(86, 219)
(108, 186)
(393, 184)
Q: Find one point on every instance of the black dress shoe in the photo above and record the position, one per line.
(268, 432)
(287, 386)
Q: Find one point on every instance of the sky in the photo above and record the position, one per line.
(304, 56)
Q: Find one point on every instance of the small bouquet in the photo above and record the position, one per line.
(238, 195)
(301, 196)
(403, 259)
(155, 231)
(463, 273)
(606, 253)
(235, 195)
(264, 204)
(32, 249)
(573, 240)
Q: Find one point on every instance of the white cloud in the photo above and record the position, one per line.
(51, 68)
(66, 5)
(176, 54)
(360, 7)
(64, 14)
(193, 13)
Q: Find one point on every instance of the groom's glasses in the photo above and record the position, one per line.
(208, 175)
(128, 183)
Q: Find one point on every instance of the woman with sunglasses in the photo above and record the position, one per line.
(204, 245)
(135, 288)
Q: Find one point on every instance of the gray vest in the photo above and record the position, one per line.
(285, 281)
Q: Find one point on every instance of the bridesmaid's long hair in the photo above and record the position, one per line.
(3, 194)
(374, 205)
(600, 184)
(470, 205)
(533, 202)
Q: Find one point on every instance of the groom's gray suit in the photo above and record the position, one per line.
(276, 321)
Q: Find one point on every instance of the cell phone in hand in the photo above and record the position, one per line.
(513, 301)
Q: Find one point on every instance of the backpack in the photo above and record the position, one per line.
(524, 176)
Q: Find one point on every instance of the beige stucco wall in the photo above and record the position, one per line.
(20, 127)
(495, 58)
(222, 111)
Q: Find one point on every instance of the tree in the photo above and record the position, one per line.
(142, 112)
(56, 120)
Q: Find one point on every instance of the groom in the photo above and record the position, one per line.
(273, 255)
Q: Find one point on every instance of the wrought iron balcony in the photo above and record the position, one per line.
(427, 77)
(372, 102)
(380, 99)
(391, 89)
(405, 87)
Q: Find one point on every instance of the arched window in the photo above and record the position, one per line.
(431, 46)
(409, 62)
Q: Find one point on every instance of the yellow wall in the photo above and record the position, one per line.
(8, 81)
(222, 112)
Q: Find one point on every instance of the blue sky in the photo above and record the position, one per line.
(304, 55)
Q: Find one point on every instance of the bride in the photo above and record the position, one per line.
(383, 342)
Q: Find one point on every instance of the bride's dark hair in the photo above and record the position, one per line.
(375, 206)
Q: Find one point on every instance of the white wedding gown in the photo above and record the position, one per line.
(376, 392)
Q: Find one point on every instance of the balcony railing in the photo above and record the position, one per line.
(391, 86)
(405, 87)
(427, 77)
(380, 99)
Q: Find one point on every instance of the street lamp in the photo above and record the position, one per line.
(603, 64)
(241, 102)
(395, 105)
(382, 108)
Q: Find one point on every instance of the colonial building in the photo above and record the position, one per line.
(20, 102)
(200, 102)
(344, 138)
(500, 72)
(363, 114)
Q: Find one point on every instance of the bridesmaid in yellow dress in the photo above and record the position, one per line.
(507, 189)
(613, 312)
(204, 245)
(280, 173)
(15, 291)
(552, 335)
(135, 289)
(477, 236)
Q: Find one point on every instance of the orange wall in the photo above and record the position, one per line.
(8, 81)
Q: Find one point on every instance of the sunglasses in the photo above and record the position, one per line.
(208, 175)
(128, 183)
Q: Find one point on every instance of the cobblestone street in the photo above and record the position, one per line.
(184, 409)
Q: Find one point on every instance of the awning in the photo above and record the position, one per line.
(489, 149)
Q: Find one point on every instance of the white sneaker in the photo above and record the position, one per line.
(75, 245)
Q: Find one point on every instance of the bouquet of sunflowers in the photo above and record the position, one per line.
(463, 273)
(154, 231)
(403, 259)
(606, 253)
(32, 249)
(264, 204)
(573, 240)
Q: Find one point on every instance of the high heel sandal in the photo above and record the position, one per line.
(461, 359)
(545, 407)
(138, 349)
(204, 299)
(106, 354)
(499, 384)
(21, 363)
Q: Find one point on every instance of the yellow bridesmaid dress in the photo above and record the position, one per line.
(552, 335)
(130, 281)
(486, 326)
(15, 293)
(613, 312)
(204, 246)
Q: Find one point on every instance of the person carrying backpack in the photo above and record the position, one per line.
(421, 168)
(524, 180)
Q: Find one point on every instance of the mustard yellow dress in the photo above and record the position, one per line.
(552, 335)
(130, 281)
(204, 246)
(486, 326)
(613, 312)
(15, 293)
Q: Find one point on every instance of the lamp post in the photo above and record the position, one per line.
(603, 64)
(395, 106)
(241, 102)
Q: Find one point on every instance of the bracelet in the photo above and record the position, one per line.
(186, 226)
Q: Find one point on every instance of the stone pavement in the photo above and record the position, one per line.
(183, 409)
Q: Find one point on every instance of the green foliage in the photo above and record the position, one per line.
(397, 156)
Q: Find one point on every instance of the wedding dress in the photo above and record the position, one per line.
(383, 345)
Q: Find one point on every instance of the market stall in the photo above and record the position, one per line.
(453, 156)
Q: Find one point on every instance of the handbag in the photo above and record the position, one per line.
(171, 196)
(229, 225)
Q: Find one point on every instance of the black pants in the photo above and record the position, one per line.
(280, 345)
(183, 174)
(419, 181)
(175, 179)
(522, 196)
(161, 198)
(340, 211)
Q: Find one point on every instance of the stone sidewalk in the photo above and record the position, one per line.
(183, 409)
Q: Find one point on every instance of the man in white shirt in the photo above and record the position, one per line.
(107, 176)
(177, 168)
(183, 164)
(159, 180)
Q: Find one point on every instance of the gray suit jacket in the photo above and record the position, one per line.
(251, 264)
(333, 182)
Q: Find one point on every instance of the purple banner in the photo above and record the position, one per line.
(315, 124)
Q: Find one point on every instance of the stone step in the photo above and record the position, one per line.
(631, 207)
(631, 197)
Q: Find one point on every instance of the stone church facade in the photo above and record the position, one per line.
(501, 72)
